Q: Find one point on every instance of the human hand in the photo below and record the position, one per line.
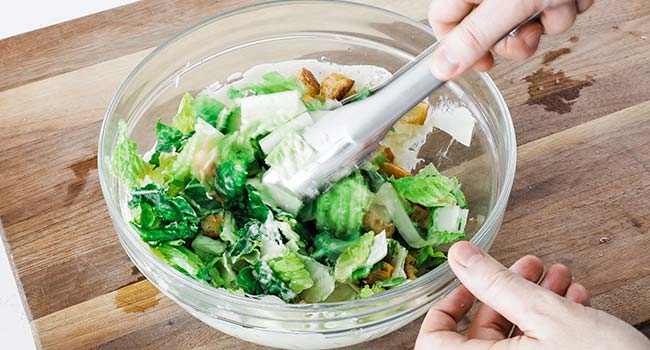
(472, 27)
(554, 315)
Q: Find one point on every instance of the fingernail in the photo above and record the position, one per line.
(467, 254)
(443, 67)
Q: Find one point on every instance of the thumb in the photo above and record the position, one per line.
(517, 299)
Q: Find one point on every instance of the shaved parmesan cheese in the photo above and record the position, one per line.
(457, 122)
(378, 250)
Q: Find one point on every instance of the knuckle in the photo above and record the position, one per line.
(547, 305)
(472, 36)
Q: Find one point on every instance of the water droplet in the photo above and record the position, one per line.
(349, 49)
(323, 59)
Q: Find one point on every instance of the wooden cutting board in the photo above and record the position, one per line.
(581, 108)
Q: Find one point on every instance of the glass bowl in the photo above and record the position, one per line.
(341, 32)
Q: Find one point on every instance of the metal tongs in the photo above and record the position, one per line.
(349, 134)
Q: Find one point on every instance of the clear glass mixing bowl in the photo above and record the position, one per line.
(340, 32)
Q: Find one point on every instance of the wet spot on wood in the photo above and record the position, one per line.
(574, 39)
(554, 90)
(137, 297)
(80, 169)
(635, 222)
(554, 55)
(615, 27)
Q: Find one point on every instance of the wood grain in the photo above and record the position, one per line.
(582, 175)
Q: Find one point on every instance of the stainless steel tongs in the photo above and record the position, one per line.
(348, 135)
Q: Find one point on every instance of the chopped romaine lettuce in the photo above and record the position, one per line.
(353, 257)
(378, 250)
(388, 197)
(197, 159)
(208, 246)
(430, 191)
(368, 291)
(328, 248)
(341, 210)
(231, 180)
(169, 140)
(291, 270)
(290, 155)
(324, 282)
(197, 196)
(429, 257)
(273, 82)
(185, 118)
(268, 143)
(210, 110)
(265, 113)
(162, 218)
(248, 282)
(397, 255)
(279, 198)
(271, 283)
(183, 260)
(390, 283)
(126, 163)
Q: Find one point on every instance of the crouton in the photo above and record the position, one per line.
(382, 274)
(372, 222)
(390, 169)
(409, 267)
(211, 225)
(417, 115)
(311, 83)
(335, 86)
(420, 216)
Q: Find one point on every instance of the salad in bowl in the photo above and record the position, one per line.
(197, 199)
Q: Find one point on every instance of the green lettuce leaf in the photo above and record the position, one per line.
(291, 270)
(397, 254)
(185, 118)
(210, 110)
(237, 147)
(429, 191)
(247, 240)
(428, 257)
(202, 203)
(248, 282)
(328, 248)
(169, 140)
(390, 283)
(255, 208)
(162, 218)
(183, 260)
(231, 180)
(197, 159)
(341, 210)
(361, 95)
(368, 291)
(324, 282)
(271, 283)
(273, 82)
(126, 163)
(204, 245)
(353, 257)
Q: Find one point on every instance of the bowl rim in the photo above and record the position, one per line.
(122, 226)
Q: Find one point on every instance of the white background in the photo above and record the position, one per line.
(17, 17)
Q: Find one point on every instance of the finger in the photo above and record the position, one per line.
(557, 279)
(444, 15)
(584, 5)
(488, 324)
(445, 314)
(485, 63)
(578, 294)
(521, 46)
(520, 301)
(461, 48)
(560, 18)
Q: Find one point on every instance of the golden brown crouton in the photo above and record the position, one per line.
(372, 222)
(420, 216)
(418, 115)
(409, 267)
(382, 274)
(390, 169)
(310, 82)
(335, 86)
(211, 225)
